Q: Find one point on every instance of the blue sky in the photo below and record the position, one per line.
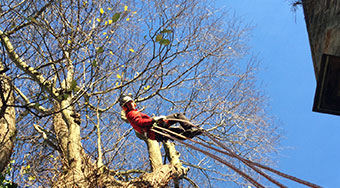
(310, 140)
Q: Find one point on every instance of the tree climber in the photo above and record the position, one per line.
(143, 123)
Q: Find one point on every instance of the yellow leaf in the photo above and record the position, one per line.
(117, 84)
(104, 33)
(109, 8)
(31, 178)
(127, 19)
(105, 22)
(111, 52)
(98, 20)
(134, 12)
(125, 8)
(118, 76)
(101, 11)
(28, 167)
(110, 21)
(131, 50)
(69, 42)
(147, 87)
(89, 21)
(51, 156)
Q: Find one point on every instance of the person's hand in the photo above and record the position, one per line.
(158, 118)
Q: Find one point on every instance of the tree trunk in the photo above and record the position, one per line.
(68, 135)
(161, 174)
(155, 155)
(7, 122)
(61, 131)
(173, 156)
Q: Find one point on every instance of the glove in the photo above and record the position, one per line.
(123, 116)
(158, 118)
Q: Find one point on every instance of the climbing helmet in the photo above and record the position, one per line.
(124, 99)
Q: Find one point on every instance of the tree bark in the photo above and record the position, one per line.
(161, 174)
(61, 131)
(173, 156)
(155, 155)
(160, 177)
(7, 122)
(75, 165)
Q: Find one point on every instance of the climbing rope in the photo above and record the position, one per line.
(254, 182)
(251, 164)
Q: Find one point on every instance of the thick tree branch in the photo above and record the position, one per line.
(35, 75)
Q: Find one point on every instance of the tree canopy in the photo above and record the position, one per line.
(69, 61)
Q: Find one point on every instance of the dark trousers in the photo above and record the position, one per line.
(179, 116)
(185, 125)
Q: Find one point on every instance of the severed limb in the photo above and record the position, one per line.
(49, 137)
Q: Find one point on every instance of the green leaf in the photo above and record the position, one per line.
(166, 31)
(116, 17)
(36, 105)
(164, 42)
(100, 49)
(65, 96)
(76, 89)
(94, 63)
(33, 20)
(159, 38)
(73, 84)
(60, 97)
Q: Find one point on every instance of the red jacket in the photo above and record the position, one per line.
(141, 123)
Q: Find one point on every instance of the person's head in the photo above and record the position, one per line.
(127, 103)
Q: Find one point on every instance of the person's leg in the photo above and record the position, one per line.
(185, 123)
(188, 130)
(178, 131)
(171, 122)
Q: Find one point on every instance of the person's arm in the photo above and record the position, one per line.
(140, 119)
